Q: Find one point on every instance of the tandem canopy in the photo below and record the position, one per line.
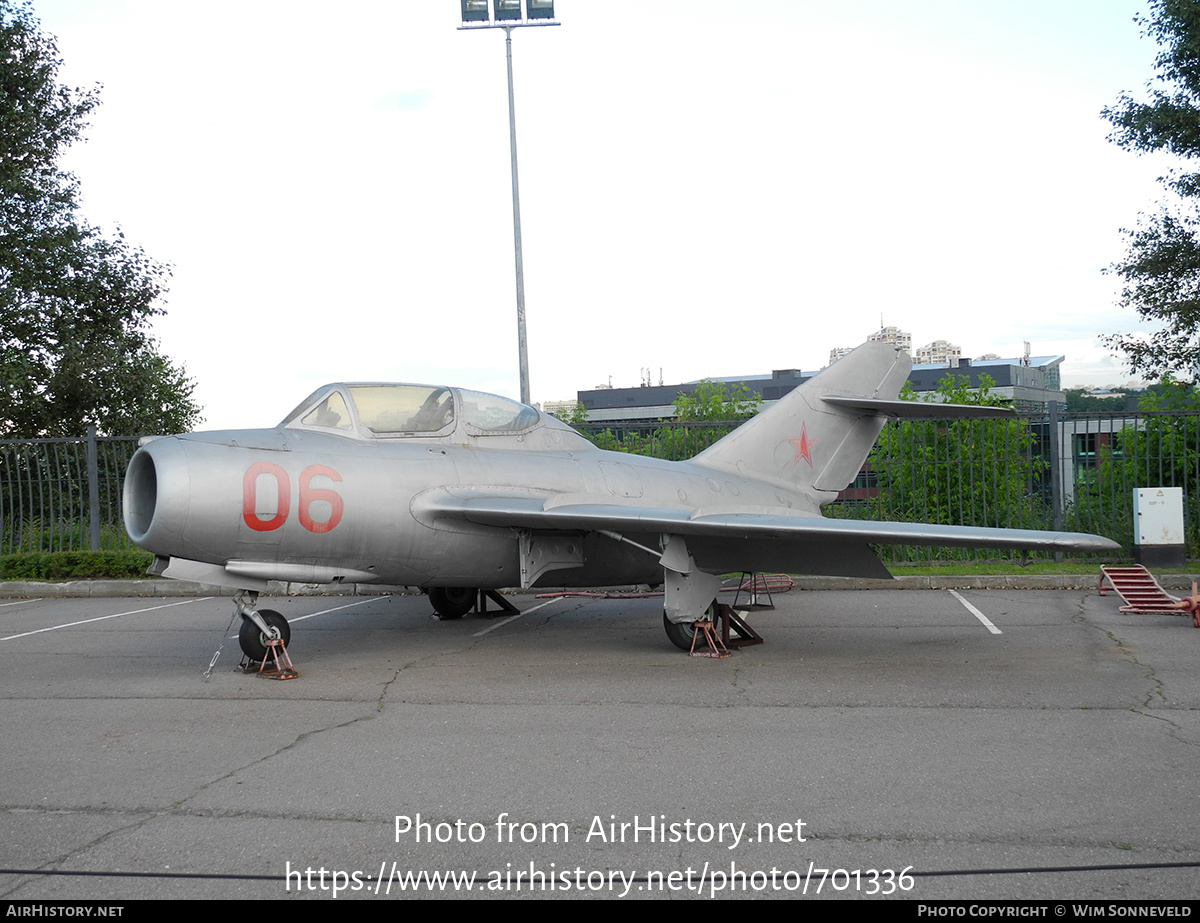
(377, 410)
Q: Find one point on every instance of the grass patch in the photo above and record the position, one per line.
(1015, 569)
(75, 565)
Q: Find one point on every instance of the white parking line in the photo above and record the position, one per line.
(101, 618)
(504, 622)
(975, 612)
(21, 602)
(361, 602)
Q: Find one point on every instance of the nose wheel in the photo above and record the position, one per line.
(254, 640)
(264, 637)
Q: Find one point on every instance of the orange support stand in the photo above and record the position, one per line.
(712, 644)
(277, 655)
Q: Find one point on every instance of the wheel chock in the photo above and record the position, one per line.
(735, 632)
(506, 608)
(278, 656)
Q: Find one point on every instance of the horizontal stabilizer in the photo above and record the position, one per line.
(917, 410)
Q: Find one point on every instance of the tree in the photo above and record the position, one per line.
(1161, 270)
(710, 412)
(75, 304)
(1080, 400)
(1158, 448)
(716, 401)
(577, 417)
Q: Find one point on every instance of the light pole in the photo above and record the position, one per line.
(509, 15)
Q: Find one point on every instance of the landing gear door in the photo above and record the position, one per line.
(547, 551)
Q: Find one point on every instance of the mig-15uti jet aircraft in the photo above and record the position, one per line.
(455, 491)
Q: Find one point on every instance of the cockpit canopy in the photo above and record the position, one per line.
(373, 411)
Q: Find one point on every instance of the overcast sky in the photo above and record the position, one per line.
(708, 188)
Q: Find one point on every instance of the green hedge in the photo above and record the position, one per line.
(74, 565)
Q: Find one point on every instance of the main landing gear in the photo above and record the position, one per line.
(681, 633)
(453, 602)
(731, 628)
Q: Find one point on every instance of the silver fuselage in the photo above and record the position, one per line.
(433, 486)
(247, 498)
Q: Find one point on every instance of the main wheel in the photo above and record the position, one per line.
(681, 633)
(252, 639)
(453, 602)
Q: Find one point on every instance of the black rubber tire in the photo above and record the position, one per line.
(681, 633)
(453, 602)
(254, 642)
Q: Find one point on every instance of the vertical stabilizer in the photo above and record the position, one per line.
(808, 444)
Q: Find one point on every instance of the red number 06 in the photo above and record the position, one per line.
(283, 488)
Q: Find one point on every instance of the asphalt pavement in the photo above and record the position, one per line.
(918, 743)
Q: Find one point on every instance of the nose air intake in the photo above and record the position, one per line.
(140, 495)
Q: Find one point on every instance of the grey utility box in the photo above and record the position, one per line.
(1158, 526)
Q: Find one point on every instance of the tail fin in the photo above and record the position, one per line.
(807, 443)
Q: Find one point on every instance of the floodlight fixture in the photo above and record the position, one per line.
(505, 14)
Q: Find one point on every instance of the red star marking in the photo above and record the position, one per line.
(803, 445)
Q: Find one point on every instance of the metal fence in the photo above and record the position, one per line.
(1064, 472)
(63, 494)
(1050, 471)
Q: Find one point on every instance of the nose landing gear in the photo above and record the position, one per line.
(255, 639)
(264, 636)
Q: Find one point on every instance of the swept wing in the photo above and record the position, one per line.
(538, 514)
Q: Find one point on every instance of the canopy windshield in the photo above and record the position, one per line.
(487, 413)
(410, 410)
(387, 409)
